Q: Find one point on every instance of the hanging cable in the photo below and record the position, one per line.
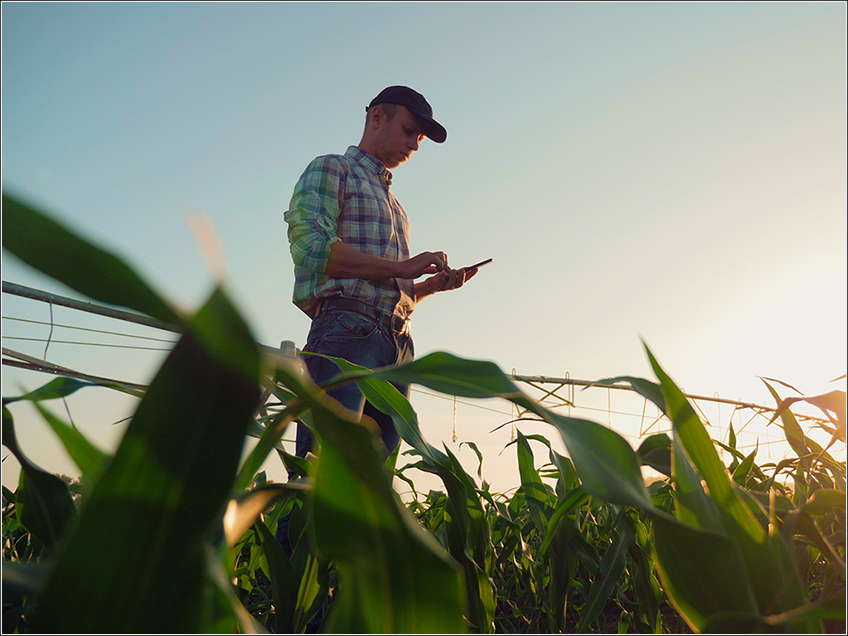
(454, 419)
(88, 344)
(50, 335)
(102, 331)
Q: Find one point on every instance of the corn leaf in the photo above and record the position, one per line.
(89, 459)
(769, 574)
(284, 584)
(607, 465)
(395, 573)
(43, 503)
(447, 373)
(692, 504)
(655, 451)
(647, 389)
(609, 573)
(135, 560)
(721, 583)
(397, 578)
(823, 502)
(243, 510)
(792, 430)
(50, 247)
(537, 495)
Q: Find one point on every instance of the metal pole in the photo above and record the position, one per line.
(35, 294)
(129, 316)
(541, 379)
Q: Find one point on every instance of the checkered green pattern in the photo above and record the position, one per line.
(347, 197)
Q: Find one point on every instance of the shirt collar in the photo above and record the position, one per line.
(355, 153)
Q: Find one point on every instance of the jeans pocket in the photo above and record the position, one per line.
(349, 326)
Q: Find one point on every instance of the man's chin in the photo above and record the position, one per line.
(402, 159)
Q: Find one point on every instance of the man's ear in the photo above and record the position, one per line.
(377, 116)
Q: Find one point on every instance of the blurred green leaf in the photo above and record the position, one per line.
(43, 503)
(721, 583)
(449, 374)
(824, 501)
(649, 390)
(89, 459)
(21, 579)
(284, 584)
(63, 387)
(397, 578)
(804, 619)
(50, 247)
(740, 475)
(467, 533)
(655, 451)
(768, 572)
(605, 462)
(243, 510)
(135, 561)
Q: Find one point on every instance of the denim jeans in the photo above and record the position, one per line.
(357, 339)
(361, 340)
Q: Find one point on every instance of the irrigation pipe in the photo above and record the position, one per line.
(42, 296)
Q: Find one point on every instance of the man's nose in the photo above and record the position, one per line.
(413, 145)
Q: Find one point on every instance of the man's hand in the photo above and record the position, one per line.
(424, 263)
(347, 262)
(445, 280)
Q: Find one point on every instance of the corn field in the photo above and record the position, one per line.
(176, 532)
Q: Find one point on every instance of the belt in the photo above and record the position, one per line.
(396, 324)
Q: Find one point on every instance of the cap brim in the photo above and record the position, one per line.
(435, 130)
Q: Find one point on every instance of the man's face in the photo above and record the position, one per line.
(398, 138)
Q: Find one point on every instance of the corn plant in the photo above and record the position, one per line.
(176, 531)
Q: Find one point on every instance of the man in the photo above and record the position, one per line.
(349, 240)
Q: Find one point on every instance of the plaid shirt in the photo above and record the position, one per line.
(347, 198)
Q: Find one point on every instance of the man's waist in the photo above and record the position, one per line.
(395, 322)
(390, 296)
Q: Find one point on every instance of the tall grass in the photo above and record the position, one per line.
(175, 531)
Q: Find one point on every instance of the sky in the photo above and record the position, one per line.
(661, 174)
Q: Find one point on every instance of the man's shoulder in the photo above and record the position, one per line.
(324, 171)
(331, 159)
(331, 162)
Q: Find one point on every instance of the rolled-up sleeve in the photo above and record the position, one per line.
(313, 213)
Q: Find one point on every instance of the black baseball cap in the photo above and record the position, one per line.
(417, 105)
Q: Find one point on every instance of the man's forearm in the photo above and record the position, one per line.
(424, 289)
(348, 262)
